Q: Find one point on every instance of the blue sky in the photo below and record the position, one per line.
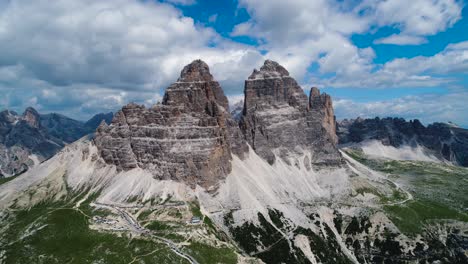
(376, 58)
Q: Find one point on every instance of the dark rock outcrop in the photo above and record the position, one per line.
(31, 137)
(96, 120)
(321, 106)
(31, 117)
(279, 120)
(446, 141)
(189, 137)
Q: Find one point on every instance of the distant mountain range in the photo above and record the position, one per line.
(30, 138)
(438, 141)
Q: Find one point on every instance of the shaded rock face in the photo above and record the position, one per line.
(22, 136)
(279, 120)
(31, 117)
(446, 141)
(96, 120)
(189, 137)
(321, 106)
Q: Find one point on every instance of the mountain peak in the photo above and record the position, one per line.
(314, 92)
(188, 138)
(32, 117)
(195, 89)
(196, 71)
(273, 66)
(270, 69)
(276, 118)
(318, 100)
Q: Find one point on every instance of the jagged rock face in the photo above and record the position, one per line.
(189, 137)
(278, 119)
(272, 85)
(22, 136)
(447, 142)
(196, 89)
(31, 117)
(96, 120)
(321, 106)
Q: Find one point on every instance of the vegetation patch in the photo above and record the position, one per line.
(7, 179)
(411, 217)
(211, 255)
(63, 236)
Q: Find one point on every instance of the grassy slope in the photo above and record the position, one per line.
(439, 191)
(7, 179)
(66, 238)
(63, 236)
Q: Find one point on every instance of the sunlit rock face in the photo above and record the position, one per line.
(190, 137)
(279, 120)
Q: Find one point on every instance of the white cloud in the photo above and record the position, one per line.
(420, 71)
(427, 108)
(124, 49)
(182, 2)
(300, 32)
(415, 19)
(80, 57)
(401, 40)
(213, 18)
(418, 17)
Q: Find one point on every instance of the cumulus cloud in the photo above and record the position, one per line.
(182, 2)
(398, 39)
(213, 18)
(420, 71)
(123, 48)
(300, 32)
(427, 108)
(82, 57)
(417, 17)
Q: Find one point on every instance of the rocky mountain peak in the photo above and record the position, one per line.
(273, 66)
(317, 100)
(7, 116)
(196, 89)
(98, 119)
(197, 71)
(32, 117)
(187, 138)
(321, 105)
(277, 118)
(272, 85)
(270, 69)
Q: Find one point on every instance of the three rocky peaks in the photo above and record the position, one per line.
(192, 137)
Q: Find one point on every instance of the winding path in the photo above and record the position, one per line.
(137, 228)
(356, 165)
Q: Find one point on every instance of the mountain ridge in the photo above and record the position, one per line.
(30, 138)
(274, 187)
(445, 142)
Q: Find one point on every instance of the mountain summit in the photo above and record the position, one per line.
(272, 186)
(187, 138)
(278, 120)
(191, 136)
